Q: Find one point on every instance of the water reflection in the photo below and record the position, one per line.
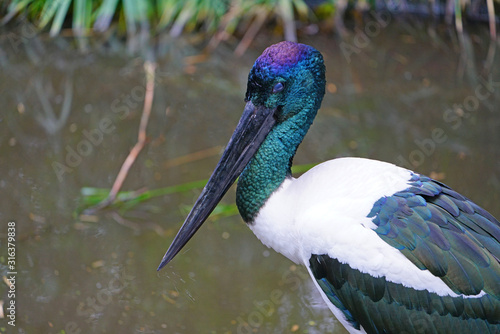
(399, 98)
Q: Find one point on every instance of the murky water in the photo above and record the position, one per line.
(69, 119)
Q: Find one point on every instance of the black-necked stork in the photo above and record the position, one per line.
(390, 250)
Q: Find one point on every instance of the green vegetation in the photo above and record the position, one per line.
(126, 200)
(134, 16)
(221, 18)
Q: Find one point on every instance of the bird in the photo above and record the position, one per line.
(389, 249)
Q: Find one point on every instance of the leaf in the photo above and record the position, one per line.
(62, 11)
(104, 15)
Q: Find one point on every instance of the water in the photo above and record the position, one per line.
(397, 95)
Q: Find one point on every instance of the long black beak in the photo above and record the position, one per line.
(251, 131)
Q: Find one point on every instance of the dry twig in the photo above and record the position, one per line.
(149, 68)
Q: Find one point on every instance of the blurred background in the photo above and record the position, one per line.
(415, 83)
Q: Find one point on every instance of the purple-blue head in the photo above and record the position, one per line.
(281, 58)
(285, 72)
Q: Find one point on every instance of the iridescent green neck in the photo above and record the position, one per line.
(290, 79)
(272, 163)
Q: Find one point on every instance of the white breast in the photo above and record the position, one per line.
(325, 212)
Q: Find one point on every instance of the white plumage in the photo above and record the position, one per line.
(325, 212)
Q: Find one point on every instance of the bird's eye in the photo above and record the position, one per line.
(278, 87)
